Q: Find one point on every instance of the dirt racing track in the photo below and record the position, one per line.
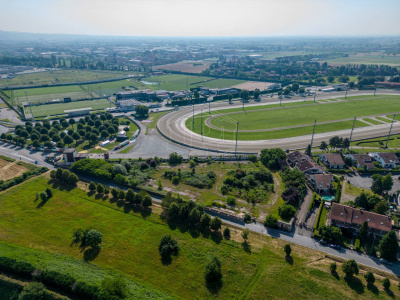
(172, 126)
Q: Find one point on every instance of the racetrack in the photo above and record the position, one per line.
(172, 126)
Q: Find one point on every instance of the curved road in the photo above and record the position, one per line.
(172, 126)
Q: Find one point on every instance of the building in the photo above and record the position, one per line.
(296, 157)
(351, 218)
(340, 87)
(387, 84)
(78, 112)
(387, 160)
(127, 105)
(362, 161)
(274, 86)
(140, 95)
(69, 155)
(121, 136)
(321, 182)
(332, 160)
(80, 156)
(309, 167)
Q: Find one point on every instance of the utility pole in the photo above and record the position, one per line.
(352, 128)
(390, 131)
(201, 124)
(312, 137)
(280, 101)
(243, 104)
(345, 96)
(375, 92)
(193, 117)
(237, 133)
(315, 93)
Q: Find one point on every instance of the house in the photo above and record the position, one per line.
(332, 160)
(387, 84)
(296, 157)
(80, 156)
(362, 161)
(387, 160)
(69, 155)
(351, 218)
(321, 182)
(309, 167)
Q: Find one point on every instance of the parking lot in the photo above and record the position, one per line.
(365, 182)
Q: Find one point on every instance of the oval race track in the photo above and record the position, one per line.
(172, 126)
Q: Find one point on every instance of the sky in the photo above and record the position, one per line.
(203, 17)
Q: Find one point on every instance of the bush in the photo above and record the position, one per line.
(49, 193)
(350, 268)
(271, 221)
(286, 211)
(252, 158)
(86, 291)
(369, 277)
(92, 186)
(287, 249)
(113, 288)
(213, 270)
(175, 159)
(386, 283)
(35, 290)
(247, 218)
(333, 267)
(231, 200)
(175, 180)
(227, 232)
(168, 246)
(94, 238)
(57, 280)
(43, 196)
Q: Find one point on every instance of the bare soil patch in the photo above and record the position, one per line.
(185, 66)
(9, 170)
(252, 85)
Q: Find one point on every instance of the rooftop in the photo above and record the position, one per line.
(334, 158)
(78, 109)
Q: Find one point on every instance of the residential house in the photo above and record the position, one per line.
(296, 157)
(351, 218)
(309, 167)
(387, 160)
(321, 182)
(332, 160)
(363, 161)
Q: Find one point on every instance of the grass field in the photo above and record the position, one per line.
(43, 236)
(354, 190)
(394, 142)
(221, 83)
(62, 76)
(185, 66)
(112, 87)
(368, 59)
(372, 121)
(175, 82)
(264, 119)
(59, 108)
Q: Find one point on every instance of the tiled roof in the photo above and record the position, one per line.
(352, 215)
(389, 158)
(323, 181)
(334, 159)
(297, 156)
(306, 165)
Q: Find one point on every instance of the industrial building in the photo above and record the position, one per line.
(140, 95)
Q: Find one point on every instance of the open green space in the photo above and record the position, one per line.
(42, 235)
(384, 120)
(175, 82)
(59, 108)
(265, 119)
(397, 117)
(376, 59)
(113, 87)
(394, 142)
(61, 76)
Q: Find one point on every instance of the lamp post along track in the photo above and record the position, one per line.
(390, 131)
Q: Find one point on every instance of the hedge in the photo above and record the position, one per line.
(312, 201)
(338, 194)
(319, 215)
(17, 180)
(19, 268)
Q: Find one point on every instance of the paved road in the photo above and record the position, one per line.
(173, 127)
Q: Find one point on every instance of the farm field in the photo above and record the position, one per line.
(362, 58)
(59, 108)
(175, 82)
(60, 76)
(10, 170)
(266, 119)
(38, 235)
(112, 87)
(252, 85)
(185, 66)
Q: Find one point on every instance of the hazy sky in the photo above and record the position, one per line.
(203, 17)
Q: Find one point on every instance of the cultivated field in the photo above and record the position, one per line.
(272, 121)
(61, 76)
(185, 66)
(59, 108)
(252, 85)
(10, 170)
(130, 248)
(364, 58)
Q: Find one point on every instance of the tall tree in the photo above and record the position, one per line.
(388, 246)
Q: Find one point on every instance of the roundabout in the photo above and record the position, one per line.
(286, 123)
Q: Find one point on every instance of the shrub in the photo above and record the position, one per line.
(120, 179)
(369, 277)
(227, 232)
(213, 270)
(43, 196)
(286, 211)
(100, 188)
(252, 158)
(350, 268)
(247, 218)
(386, 283)
(175, 159)
(49, 193)
(231, 200)
(175, 180)
(333, 267)
(287, 249)
(57, 280)
(215, 224)
(94, 238)
(113, 288)
(35, 290)
(147, 201)
(86, 291)
(92, 186)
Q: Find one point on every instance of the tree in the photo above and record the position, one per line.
(333, 267)
(76, 136)
(100, 188)
(331, 79)
(387, 183)
(270, 221)
(147, 201)
(271, 157)
(227, 232)
(49, 193)
(53, 174)
(377, 184)
(381, 207)
(256, 93)
(323, 145)
(121, 195)
(130, 195)
(43, 196)
(386, 283)
(286, 211)
(92, 186)
(114, 192)
(192, 164)
(244, 94)
(295, 87)
(350, 268)
(363, 231)
(215, 224)
(168, 246)
(362, 200)
(308, 150)
(369, 278)
(245, 234)
(175, 159)
(287, 249)
(213, 270)
(68, 140)
(388, 246)
(59, 173)
(141, 110)
(93, 138)
(286, 91)
(94, 239)
(106, 190)
(72, 179)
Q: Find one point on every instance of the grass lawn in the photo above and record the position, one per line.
(384, 120)
(366, 58)
(372, 121)
(126, 149)
(42, 235)
(322, 220)
(354, 190)
(112, 87)
(175, 82)
(274, 134)
(59, 108)
(154, 117)
(265, 119)
(394, 142)
(61, 76)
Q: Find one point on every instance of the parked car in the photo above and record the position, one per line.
(384, 261)
(322, 242)
(335, 246)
